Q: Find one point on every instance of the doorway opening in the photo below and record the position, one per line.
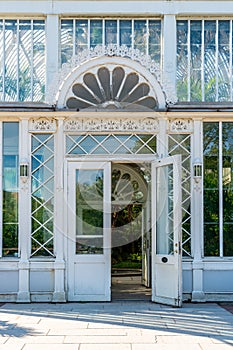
(131, 233)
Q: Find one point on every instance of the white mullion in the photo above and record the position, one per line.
(31, 60)
(147, 37)
(4, 59)
(89, 34)
(216, 59)
(118, 33)
(230, 64)
(220, 193)
(132, 40)
(189, 61)
(74, 37)
(1, 191)
(203, 61)
(103, 33)
(17, 58)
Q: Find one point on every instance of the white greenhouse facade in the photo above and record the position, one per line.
(116, 126)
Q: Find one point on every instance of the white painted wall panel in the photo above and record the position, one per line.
(187, 281)
(9, 281)
(218, 281)
(41, 281)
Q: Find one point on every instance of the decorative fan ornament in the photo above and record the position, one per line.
(114, 89)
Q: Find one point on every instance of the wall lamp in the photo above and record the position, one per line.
(23, 170)
(197, 170)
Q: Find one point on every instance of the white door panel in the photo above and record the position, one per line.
(166, 231)
(89, 231)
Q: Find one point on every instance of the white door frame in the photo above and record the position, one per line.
(129, 159)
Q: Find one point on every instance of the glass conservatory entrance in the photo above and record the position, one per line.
(123, 220)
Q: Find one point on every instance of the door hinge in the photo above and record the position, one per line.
(178, 249)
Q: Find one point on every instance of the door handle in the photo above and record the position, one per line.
(164, 259)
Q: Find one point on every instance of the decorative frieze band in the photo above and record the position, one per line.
(139, 125)
(43, 125)
(181, 126)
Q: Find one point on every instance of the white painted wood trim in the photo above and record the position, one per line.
(52, 50)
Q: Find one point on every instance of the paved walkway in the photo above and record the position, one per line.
(115, 326)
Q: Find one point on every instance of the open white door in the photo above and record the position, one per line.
(166, 231)
(89, 235)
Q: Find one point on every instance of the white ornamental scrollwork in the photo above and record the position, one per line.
(181, 125)
(111, 125)
(110, 51)
(43, 125)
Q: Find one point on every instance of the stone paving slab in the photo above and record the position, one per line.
(167, 347)
(115, 326)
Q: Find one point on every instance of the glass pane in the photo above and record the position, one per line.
(182, 61)
(10, 240)
(164, 214)
(111, 144)
(81, 35)
(224, 61)
(154, 49)
(22, 60)
(1, 61)
(228, 239)
(110, 32)
(227, 173)
(96, 32)
(11, 60)
(140, 35)
(209, 57)
(211, 188)
(42, 187)
(126, 32)
(25, 58)
(89, 209)
(66, 40)
(38, 60)
(10, 188)
(196, 60)
(211, 238)
(181, 144)
(89, 245)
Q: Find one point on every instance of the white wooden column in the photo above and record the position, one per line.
(169, 51)
(52, 51)
(162, 138)
(59, 234)
(198, 294)
(24, 218)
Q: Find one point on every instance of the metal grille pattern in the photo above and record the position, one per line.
(42, 209)
(180, 144)
(111, 144)
(22, 60)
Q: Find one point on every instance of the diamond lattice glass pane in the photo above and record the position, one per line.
(180, 144)
(42, 194)
(111, 144)
(88, 144)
